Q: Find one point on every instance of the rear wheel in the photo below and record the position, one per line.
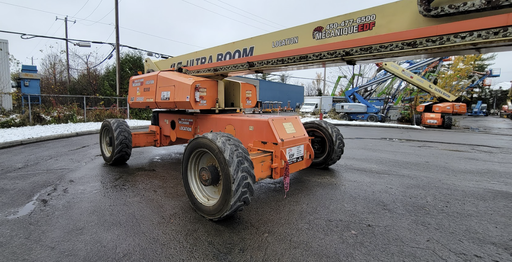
(327, 143)
(447, 122)
(344, 116)
(417, 119)
(218, 175)
(373, 118)
(383, 118)
(115, 141)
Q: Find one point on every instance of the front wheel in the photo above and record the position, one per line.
(372, 118)
(327, 143)
(447, 122)
(417, 119)
(115, 141)
(218, 175)
(344, 117)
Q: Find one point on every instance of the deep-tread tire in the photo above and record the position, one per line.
(155, 121)
(344, 117)
(417, 119)
(236, 171)
(327, 143)
(115, 141)
(383, 118)
(447, 122)
(373, 118)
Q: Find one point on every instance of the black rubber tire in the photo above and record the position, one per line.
(115, 141)
(383, 118)
(447, 122)
(417, 119)
(327, 143)
(344, 117)
(155, 121)
(234, 166)
(372, 118)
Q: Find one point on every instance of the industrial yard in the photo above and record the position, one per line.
(198, 143)
(397, 194)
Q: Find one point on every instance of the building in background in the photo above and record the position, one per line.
(276, 91)
(5, 76)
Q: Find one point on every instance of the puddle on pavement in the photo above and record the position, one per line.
(27, 209)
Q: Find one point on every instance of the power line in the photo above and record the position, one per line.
(224, 16)
(113, 31)
(251, 13)
(94, 10)
(32, 51)
(30, 8)
(81, 8)
(242, 15)
(102, 61)
(48, 12)
(99, 22)
(133, 30)
(78, 41)
(46, 42)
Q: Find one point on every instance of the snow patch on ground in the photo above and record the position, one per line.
(27, 132)
(361, 123)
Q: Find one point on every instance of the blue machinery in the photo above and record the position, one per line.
(30, 83)
(369, 108)
(480, 109)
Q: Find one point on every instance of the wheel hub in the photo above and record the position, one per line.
(209, 175)
(109, 141)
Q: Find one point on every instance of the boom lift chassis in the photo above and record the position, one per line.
(226, 152)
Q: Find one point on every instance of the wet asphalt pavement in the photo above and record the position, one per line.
(396, 195)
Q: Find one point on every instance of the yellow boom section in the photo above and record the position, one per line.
(399, 29)
(417, 80)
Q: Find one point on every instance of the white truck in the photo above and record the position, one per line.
(5, 76)
(315, 104)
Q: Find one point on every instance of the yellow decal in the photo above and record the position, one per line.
(288, 126)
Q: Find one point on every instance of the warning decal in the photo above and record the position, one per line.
(295, 154)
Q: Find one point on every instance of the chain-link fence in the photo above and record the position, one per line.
(50, 108)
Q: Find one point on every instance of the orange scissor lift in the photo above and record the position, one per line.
(227, 151)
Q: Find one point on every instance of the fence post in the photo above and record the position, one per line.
(29, 109)
(85, 111)
(128, 109)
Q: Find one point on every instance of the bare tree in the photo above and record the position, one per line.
(284, 77)
(309, 90)
(314, 88)
(53, 72)
(264, 76)
(317, 83)
(87, 74)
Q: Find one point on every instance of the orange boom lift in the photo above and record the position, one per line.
(228, 151)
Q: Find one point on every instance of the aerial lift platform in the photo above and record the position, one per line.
(227, 151)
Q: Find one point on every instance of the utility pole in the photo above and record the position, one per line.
(118, 69)
(67, 47)
(325, 73)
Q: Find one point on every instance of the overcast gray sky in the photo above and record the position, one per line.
(172, 27)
